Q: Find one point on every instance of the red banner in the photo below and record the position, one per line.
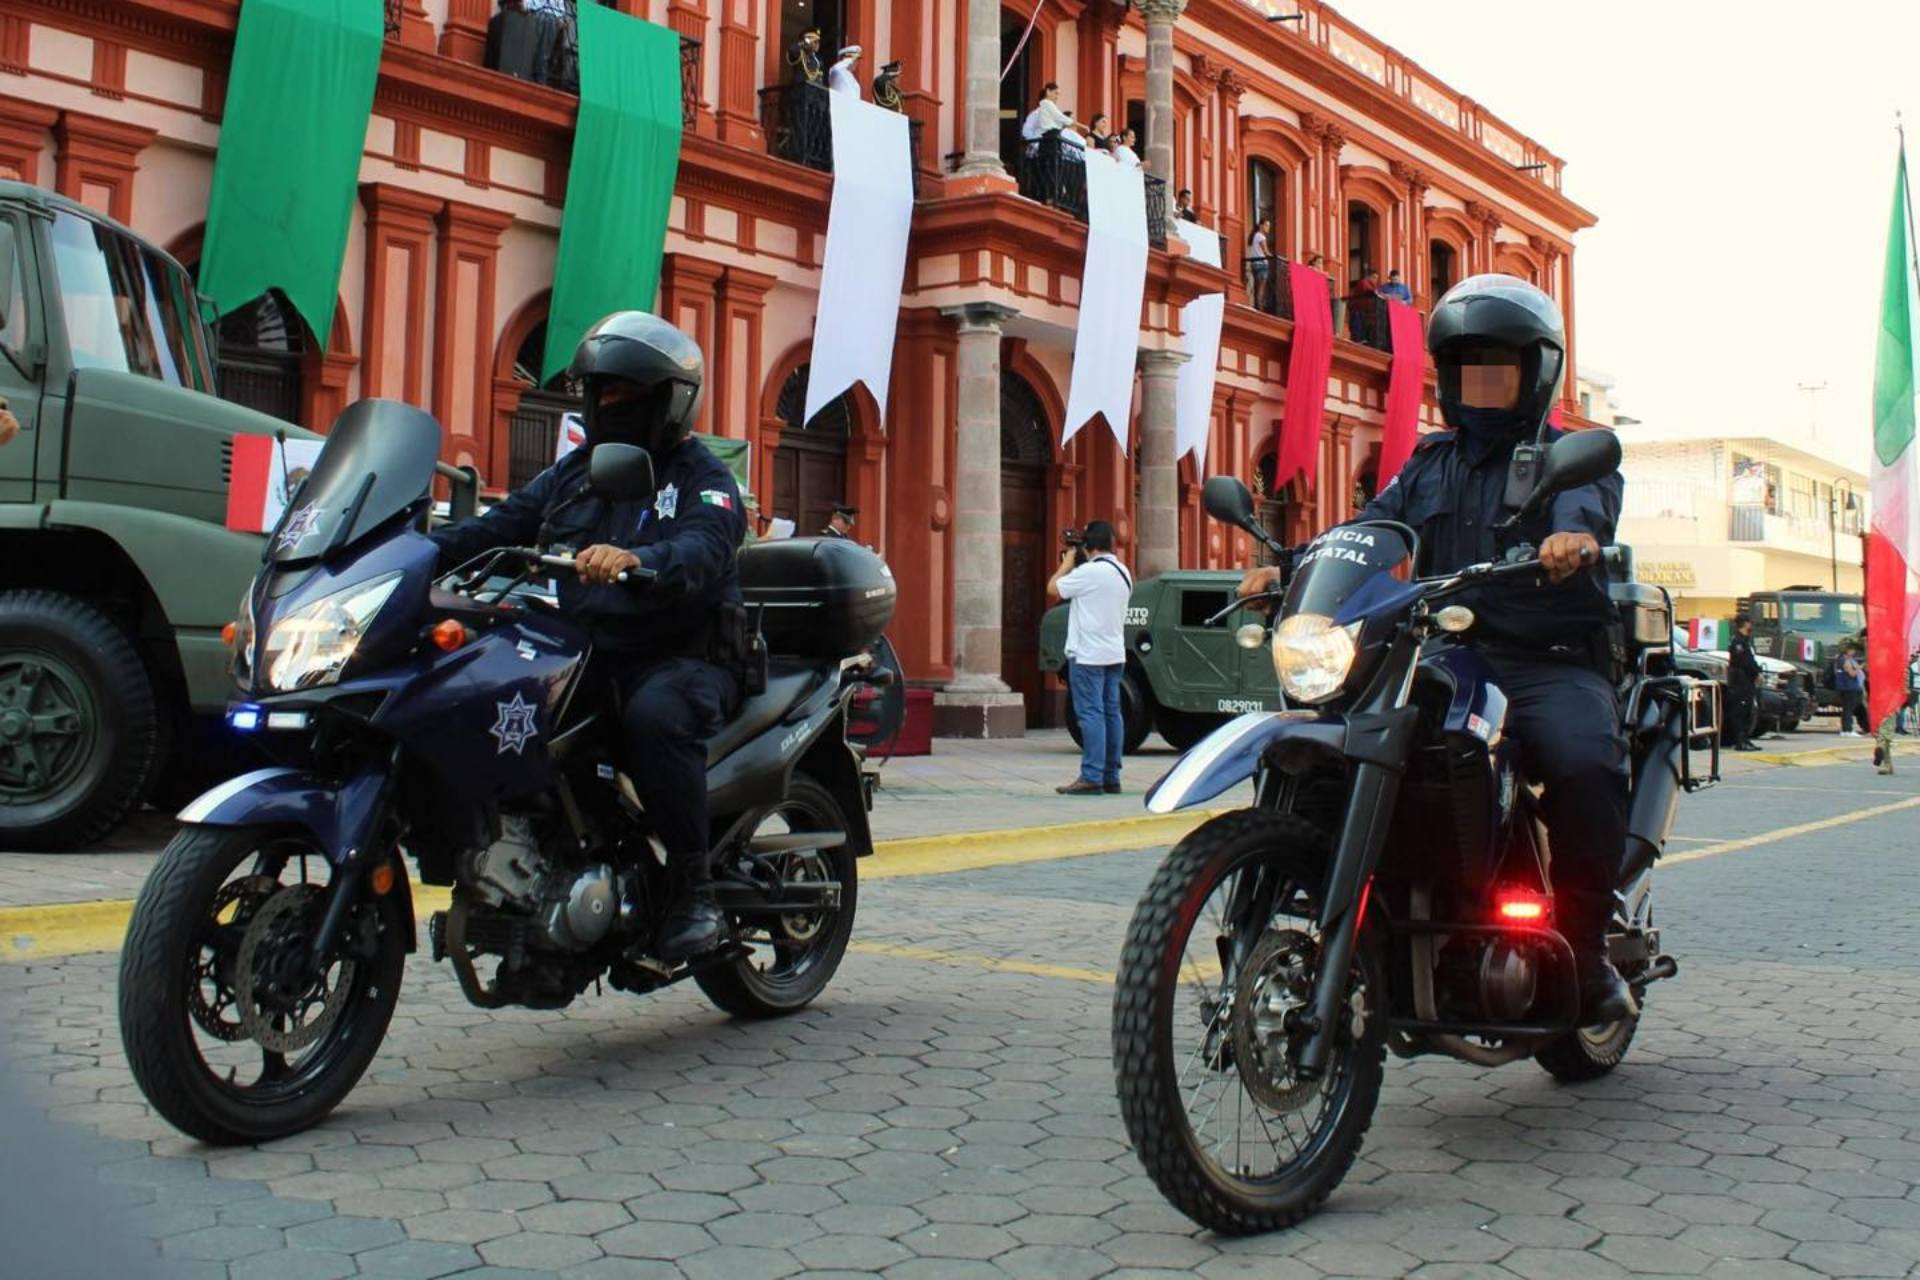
(1890, 627)
(1307, 370)
(1404, 385)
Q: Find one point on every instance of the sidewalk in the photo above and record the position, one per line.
(964, 786)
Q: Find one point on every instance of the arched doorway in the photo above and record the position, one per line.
(1443, 268)
(810, 465)
(1019, 88)
(1026, 447)
(262, 348)
(533, 432)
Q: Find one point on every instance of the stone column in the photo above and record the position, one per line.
(982, 159)
(977, 703)
(1158, 518)
(1160, 16)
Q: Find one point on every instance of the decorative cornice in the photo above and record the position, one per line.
(1232, 84)
(1161, 10)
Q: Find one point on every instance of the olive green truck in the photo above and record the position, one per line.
(117, 570)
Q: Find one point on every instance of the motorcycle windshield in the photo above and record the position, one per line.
(377, 462)
(1338, 563)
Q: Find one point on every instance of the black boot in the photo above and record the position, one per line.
(694, 925)
(1605, 997)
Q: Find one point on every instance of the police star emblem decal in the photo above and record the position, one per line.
(300, 525)
(515, 728)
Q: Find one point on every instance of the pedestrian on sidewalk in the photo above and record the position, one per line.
(1743, 685)
(1849, 681)
(1096, 587)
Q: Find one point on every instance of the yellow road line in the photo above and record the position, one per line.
(974, 960)
(1788, 833)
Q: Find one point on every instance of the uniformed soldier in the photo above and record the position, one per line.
(1499, 347)
(673, 648)
(1743, 685)
(840, 525)
(886, 88)
(804, 58)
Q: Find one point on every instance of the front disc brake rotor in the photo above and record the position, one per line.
(211, 998)
(276, 987)
(803, 926)
(1276, 980)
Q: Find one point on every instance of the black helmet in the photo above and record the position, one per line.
(665, 364)
(1498, 320)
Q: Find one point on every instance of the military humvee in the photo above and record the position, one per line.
(1184, 677)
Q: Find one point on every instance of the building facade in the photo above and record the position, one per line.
(1715, 520)
(1358, 156)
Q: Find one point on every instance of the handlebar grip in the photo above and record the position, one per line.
(1614, 558)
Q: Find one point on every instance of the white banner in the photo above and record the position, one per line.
(1112, 285)
(1200, 321)
(866, 264)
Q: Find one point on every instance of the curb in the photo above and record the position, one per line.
(1821, 755)
(49, 930)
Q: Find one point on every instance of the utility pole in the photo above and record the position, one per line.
(1813, 390)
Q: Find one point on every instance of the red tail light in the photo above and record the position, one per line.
(1522, 906)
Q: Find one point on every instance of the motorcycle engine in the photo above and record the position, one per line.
(572, 907)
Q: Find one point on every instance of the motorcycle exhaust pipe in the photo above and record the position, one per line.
(1662, 967)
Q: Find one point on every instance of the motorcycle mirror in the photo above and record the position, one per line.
(623, 471)
(1576, 459)
(1228, 501)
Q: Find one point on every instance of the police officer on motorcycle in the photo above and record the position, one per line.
(672, 650)
(1499, 347)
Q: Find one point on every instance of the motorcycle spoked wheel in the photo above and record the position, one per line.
(229, 1033)
(1228, 1133)
(791, 960)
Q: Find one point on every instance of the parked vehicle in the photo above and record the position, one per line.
(1805, 626)
(117, 570)
(1388, 887)
(1784, 701)
(458, 719)
(1185, 675)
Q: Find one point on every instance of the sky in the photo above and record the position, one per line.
(1740, 159)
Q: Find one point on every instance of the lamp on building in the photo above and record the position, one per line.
(1286, 17)
(1833, 524)
(1535, 167)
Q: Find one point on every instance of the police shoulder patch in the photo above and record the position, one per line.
(717, 498)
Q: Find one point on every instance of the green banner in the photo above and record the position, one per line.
(626, 151)
(299, 93)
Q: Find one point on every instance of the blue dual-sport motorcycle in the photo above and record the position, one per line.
(1390, 886)
(461, 719)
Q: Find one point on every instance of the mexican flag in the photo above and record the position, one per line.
(1707, 633)
(1893, 547)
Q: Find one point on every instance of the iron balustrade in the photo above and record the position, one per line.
(539, 41)
(1747, 522)
(395, 10)
(1054, 172)
(798, 121)
(1269, 288)
(1367, 322)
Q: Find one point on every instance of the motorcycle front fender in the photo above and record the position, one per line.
(1232, 753)
(339, 816)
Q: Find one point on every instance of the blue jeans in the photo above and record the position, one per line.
(1096, 702)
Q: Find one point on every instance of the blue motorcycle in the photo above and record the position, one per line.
(460, 721)
(1391, 884)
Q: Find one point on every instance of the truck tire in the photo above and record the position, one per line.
(79, 727)
(1136, 713)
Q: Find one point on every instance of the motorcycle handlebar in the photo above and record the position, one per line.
(565, 564)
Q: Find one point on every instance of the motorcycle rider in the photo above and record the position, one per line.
(673, 648)
(1743, 685)
(1499, 348)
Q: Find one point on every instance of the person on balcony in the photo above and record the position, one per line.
(1183, 206)
(842, 78)
(804, 58)
(1123, 149)
(1396, 288)
(886, 88)
(1362, 306)
(1260, 264)
(1045, 118)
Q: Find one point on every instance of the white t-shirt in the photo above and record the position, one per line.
(1125, 155)
(1097, 593)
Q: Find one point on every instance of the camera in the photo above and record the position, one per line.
(1076, 539)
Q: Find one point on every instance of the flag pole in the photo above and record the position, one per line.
(1906, 180)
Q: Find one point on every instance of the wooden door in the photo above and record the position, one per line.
(809, 477)
(1025, 568)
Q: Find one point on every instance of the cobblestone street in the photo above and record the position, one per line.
(947, 1109)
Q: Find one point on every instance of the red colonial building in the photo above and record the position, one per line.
(1277, 110)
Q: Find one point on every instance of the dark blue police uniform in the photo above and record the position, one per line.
(656, 642)
(1547, 646)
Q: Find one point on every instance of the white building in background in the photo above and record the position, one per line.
(1713, 520)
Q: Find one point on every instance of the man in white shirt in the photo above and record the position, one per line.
(1097, 588)
(841, 77)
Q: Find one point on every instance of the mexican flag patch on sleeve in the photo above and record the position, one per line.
(717, 498)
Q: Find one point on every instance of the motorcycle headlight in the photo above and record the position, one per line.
(1312, 656)
(243, 640)
(312, 645)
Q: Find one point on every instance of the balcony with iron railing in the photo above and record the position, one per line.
(1817, 536)
(539, 41)
(797, 120)
(1054, 172)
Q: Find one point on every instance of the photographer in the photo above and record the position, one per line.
(1097, 587)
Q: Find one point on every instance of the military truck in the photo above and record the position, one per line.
(117, 570)
(1185, 676)
(1805, 626)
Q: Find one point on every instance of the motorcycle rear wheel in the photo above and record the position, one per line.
(229, 1035)
(799, 955)
(1588, 1052)
(1202, 1169)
